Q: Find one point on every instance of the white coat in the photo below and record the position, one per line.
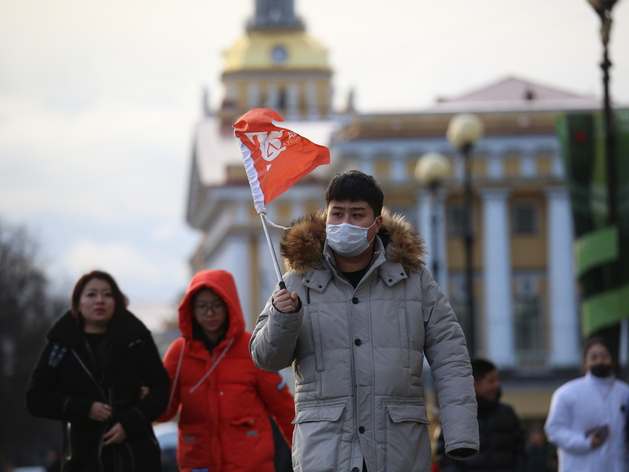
(579, 406)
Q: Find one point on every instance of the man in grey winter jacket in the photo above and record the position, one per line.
(358, 316)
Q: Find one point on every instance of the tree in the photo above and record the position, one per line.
(27, 310)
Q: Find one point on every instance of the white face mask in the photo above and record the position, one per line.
(346, 239)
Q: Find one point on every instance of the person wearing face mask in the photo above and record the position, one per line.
(359, 315)
(588, 415)
(502, 439)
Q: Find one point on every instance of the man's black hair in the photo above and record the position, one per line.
(481, 367)
(354, 185)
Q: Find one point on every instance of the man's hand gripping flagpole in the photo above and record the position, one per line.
(275, 159)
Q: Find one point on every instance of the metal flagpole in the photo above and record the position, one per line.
(276, 264)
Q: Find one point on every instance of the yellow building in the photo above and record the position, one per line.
(276, 65)
(525, 291)
(524, 286)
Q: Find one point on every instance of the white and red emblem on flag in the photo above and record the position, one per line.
(275, 158)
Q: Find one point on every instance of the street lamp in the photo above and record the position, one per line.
(430, 171)
(604, 10)
(463, 131)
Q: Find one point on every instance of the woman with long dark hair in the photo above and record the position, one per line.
(101, 375)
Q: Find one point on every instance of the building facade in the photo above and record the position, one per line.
(277, 65)
(524, 285)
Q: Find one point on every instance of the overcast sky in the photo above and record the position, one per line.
(98, 101)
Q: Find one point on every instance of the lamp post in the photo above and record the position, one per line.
(604, 10)
(430, 171)
(463, 131)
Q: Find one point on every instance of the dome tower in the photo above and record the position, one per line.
(276, 65)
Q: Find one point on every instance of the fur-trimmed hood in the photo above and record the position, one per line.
(303, 243)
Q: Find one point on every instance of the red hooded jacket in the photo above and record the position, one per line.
(224, 400)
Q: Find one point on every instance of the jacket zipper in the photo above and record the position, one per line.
(350, 326)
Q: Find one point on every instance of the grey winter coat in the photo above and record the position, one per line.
(358, 355)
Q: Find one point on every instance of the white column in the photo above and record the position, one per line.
(292, 99)
(436, 249)
(496, 167)
(497, 278)
(423, 223)
(311, 99)
(527, 164)
(564, 325)
(441, 252)
(234, 256)
(399, 171)
(272, 96)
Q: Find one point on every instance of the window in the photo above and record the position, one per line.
(281, 100)
(524, 220)
(456, 220)
(528, 320)
(528, 325)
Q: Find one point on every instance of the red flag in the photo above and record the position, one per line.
(275, 158)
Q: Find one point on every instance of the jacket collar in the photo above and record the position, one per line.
(399, 250)
(65, 330)
(390, 272)
(600, 380)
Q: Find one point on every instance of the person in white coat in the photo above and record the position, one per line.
(588, 415)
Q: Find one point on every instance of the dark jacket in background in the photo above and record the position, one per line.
(540, 457)
(502, 442)
(64, 385)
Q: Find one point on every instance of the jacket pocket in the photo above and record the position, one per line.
(317, 438)
(194, 445)
(407, 441)
(248, 427)
(250, 434)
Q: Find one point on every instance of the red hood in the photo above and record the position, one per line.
(222, 283)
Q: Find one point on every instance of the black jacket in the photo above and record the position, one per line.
(65, 384)
(502, 442)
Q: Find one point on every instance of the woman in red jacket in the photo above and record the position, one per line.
(223, 400)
